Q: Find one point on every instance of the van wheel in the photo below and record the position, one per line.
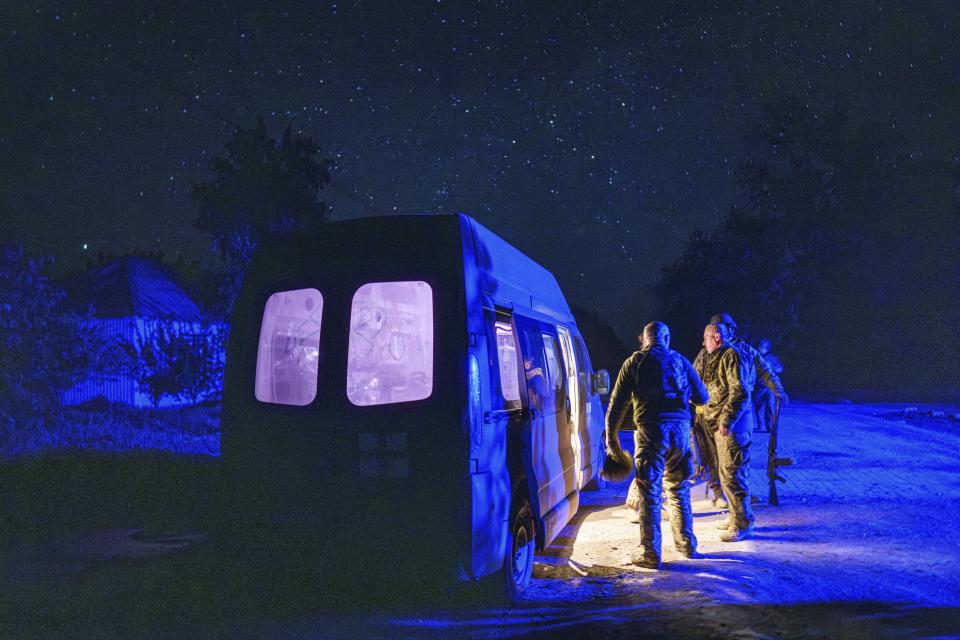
(518, 563)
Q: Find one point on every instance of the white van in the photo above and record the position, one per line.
(409, 394)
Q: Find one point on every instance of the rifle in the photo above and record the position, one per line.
(698, 436)
(773, 462)
(694, 444)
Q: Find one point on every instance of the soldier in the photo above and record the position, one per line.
(659, 382)
(728, 416)
(775, 365)
(767, 382)
(764, 398)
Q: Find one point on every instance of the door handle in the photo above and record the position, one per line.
(509, 414)
(498, 414)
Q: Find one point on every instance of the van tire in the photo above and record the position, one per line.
(521, 546)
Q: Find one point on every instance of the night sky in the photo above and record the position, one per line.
(594, 136)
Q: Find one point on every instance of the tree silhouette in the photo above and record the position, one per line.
(43, 350)
(261, 188)
(825, 253)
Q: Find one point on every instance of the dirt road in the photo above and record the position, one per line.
(862, 546)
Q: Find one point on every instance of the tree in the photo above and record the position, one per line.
(825, 251)
(261, 188)
(43, 350)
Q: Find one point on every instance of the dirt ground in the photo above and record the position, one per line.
(863, 545)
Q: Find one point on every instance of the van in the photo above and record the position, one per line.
(408, 396)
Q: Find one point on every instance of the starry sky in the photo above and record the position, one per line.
(595, 136)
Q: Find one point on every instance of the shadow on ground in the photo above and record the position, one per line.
(199, 590)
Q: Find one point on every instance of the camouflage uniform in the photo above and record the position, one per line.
(729, 374)
(706, 445)
(659, 383)
(766, 389)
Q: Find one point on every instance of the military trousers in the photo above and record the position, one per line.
(764, 404)
(664, 460)
(733, 452)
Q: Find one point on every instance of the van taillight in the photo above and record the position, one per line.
(476, 417)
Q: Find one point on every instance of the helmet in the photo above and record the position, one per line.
(723, 318)
(617, 465)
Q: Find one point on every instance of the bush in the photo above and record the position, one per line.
(181, 361)
(43, 350)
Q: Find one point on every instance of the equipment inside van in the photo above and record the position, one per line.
(408, 396)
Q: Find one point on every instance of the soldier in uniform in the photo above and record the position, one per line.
(729, 376)
(767, 385)
(658, 383)
(764, 398)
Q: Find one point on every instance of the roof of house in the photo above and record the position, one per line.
(131, 286)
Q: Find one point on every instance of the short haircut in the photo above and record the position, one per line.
(720, 329)
(656, 332)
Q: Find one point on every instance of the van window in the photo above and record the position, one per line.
(542, 363)
(539, 394)
(554, 360)
(552, 350)
(581, 368)
(289, 348)
(390, 355)
(507, 359)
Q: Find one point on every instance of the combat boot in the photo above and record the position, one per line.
(736, 534)
(719, 500)
(647, 562)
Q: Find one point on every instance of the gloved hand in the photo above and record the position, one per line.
(617, 464)
(783, 398)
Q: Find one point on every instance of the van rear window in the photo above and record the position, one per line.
(390, 356)
(507, 357)
(289, 347)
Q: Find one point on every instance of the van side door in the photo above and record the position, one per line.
(592, 417)
(550, 452)
(572, 371)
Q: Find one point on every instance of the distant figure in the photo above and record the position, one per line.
(729, 376)
(764, 399)
(658, 383)
(772, 360)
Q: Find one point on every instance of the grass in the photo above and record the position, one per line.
(51, 496)
(48, 589)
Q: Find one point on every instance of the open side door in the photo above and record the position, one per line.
(548, 455)
(574, 406)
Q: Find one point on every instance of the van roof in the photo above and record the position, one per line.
(509, 274)
(494, 267)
